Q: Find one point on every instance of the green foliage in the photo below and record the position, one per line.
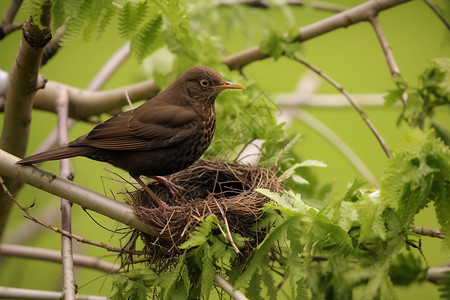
(420, 102)
(419, 172)
(277, 44)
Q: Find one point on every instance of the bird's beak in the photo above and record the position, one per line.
(229, 85)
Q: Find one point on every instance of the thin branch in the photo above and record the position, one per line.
(66, 189)
(266, 4)
(436, 10)
(228, 288)
(60, 231)
(340, 145)
(432, 232)
(55, 256)
(352, 102)
(53, 46)
(344, 19)
(69, 286)
(18, 293)
(6, 24)
(109, 67)
(384, 45)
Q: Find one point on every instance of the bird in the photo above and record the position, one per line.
(164, 135)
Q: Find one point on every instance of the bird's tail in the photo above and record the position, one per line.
(55, 154)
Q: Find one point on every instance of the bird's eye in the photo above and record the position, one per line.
(204, 83)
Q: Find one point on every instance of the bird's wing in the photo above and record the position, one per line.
(142, 129)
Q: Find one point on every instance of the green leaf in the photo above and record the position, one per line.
(208, 272)
(145, 41)
(130, 18)
(201, 233)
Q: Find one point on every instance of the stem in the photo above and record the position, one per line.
(66, 189)
(352, 102)
(55, 256)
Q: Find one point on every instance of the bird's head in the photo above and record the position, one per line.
(203, 84)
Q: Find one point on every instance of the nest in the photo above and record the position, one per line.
(225, 189)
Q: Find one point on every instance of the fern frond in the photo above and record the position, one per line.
(130, 18)
(146, 39)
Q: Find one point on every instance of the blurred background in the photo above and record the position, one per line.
(351, 56)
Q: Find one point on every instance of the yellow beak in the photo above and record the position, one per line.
(229, 85)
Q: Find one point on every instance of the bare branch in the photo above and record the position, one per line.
(83, 103)
(69, 286)
(58, 230)
(6, 24)
(344, 19)
(55, 256)
(266, 4)
(436, 10)
(66, 189)
(23, 84)
(437, 273)
(340, 145)
(352, 102)
(18, 293)
(53, 46)
(433, 232)
(384, 45)
(228, 288)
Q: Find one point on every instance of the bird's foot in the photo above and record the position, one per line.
(175, 190)
(161, 204)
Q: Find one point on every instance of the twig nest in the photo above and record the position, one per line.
(226, 189)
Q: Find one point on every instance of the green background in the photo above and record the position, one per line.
(352, 56)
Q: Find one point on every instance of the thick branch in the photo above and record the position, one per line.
(66, 189)
(55, 256)
(341, 20)
(23, 84)
(83, 103)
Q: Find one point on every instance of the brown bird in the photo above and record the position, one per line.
(162, 136)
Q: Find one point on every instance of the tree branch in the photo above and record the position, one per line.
(352, 102)
(69, 286)
(344, 19)
(23, 84)
(83, 103)
(384, 45)
(228, 288)
(64, 232)
(433, 232)
(66, 189)
(6, 25)
(435, 9)
(18, 293)
(266, 4)
(55, 256)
